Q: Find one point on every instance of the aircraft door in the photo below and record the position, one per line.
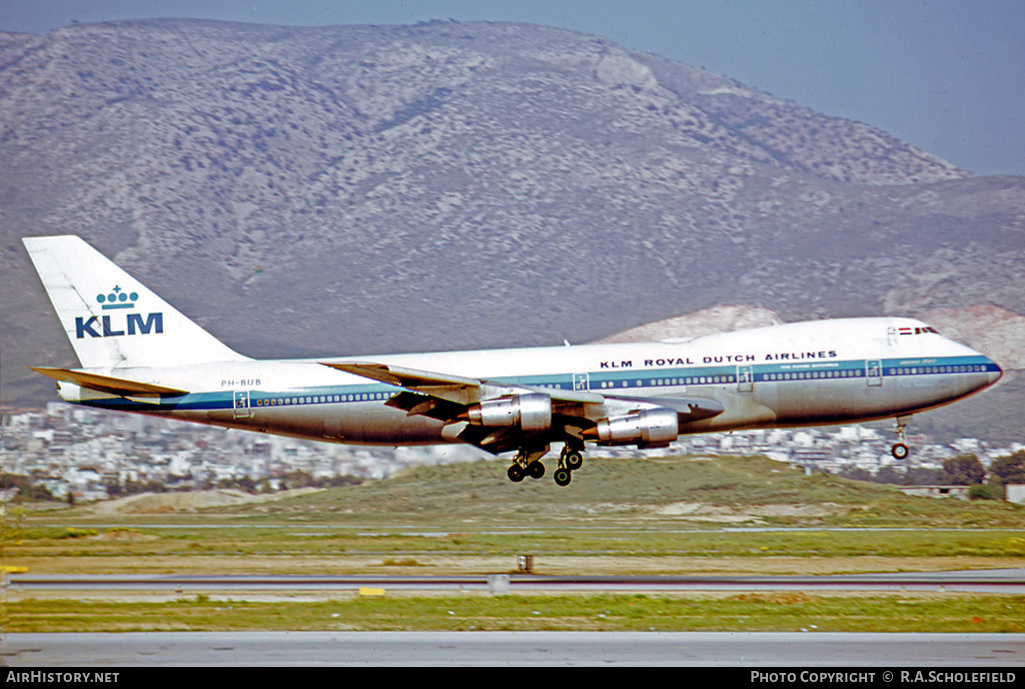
(874, 372)
(241, 405)
(581, 381)
(745, 379)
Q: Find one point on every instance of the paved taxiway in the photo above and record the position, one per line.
(1005, 581)
(514, 649)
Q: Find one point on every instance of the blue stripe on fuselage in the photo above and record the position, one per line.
(598, 381)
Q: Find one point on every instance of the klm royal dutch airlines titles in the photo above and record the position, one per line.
(139, 354)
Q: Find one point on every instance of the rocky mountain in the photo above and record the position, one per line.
(367, 189)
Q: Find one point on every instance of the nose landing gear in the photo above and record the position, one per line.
(900, 448)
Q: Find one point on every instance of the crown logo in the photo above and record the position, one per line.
(117, 299)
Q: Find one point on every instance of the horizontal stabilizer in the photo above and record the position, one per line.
(110, 384)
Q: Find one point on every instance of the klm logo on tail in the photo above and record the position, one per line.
(132, 324)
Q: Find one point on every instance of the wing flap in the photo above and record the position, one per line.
(110, 384)
(495, 440)
(687, 408)
(419, 404)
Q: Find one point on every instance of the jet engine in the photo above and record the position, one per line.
(649, 428)
(531, 412)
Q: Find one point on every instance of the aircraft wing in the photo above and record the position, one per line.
(403, 377)
(110, 384)
(451, 387)
(447, 398)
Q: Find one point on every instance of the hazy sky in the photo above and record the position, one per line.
(947, 76)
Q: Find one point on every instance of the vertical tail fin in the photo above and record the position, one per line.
(113, 320)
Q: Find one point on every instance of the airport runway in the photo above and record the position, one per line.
(516, 649)
(1003, 581)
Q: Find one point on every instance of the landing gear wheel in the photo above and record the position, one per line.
(563, 477)
(516, 473)
(571, 458)
(574, 460)
(900, 448)
(535, 470)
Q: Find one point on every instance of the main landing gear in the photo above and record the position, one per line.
(900, 448)
(570, 460)
(534, 470)
(528, 463)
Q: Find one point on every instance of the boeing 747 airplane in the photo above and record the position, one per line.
(139, 354)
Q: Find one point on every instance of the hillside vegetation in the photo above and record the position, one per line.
(686, 492)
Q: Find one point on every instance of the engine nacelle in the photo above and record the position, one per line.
(531, 412)
(648, 428)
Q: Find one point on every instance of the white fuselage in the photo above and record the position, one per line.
(814, 373)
